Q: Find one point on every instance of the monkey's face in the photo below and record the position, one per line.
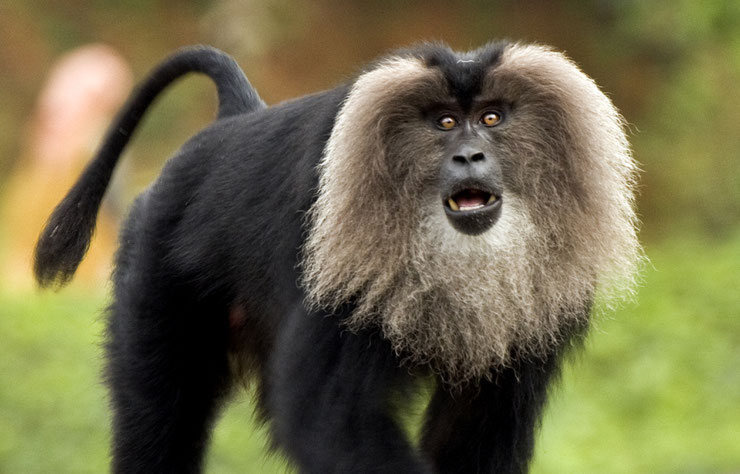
(458, 140)
(449, 156)
(470, 175)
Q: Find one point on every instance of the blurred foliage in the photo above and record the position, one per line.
(670, 66)
(687, 134)
(659, 387)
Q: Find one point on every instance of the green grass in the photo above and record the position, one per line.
(656, 390)
(53, 413)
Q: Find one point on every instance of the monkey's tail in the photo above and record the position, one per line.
(66, 237)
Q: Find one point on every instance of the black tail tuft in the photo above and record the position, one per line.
(66, 236)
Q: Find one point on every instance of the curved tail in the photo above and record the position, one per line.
(67, 234)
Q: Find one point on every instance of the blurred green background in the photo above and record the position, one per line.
(657, 388)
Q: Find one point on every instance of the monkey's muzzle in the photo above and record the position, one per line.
(473, 210)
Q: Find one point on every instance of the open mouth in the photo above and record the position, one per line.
(473, 210)
(470, 200)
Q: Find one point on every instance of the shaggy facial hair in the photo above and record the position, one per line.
(464, 305)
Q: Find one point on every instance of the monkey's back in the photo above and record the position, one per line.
(229, 206)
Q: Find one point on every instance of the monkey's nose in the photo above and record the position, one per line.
(468, 155)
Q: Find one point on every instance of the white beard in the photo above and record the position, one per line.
(466, 304)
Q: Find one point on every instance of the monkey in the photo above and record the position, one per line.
(444, 219)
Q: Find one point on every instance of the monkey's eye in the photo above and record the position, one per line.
(491, 119)
(446, 122)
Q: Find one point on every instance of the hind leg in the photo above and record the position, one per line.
(167, 370)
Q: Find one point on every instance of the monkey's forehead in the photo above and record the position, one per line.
(498, 68)
(464, 72)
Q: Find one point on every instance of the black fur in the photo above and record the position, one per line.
(464, 73)
(208, 266)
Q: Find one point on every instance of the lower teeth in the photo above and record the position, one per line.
(456, 207)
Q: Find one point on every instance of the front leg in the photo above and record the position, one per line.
(488, 427)
(330, 397)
